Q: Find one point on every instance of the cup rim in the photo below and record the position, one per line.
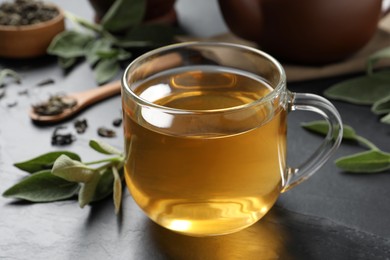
(279, 86)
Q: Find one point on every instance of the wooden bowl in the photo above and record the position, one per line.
(30, 41)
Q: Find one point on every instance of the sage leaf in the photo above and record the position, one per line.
(42, 187)
(365, 162)
(11, 73)
(117, 195)
(106, 69)
(105, 185)
(381, 106)
(88, 189)
(103, 148)
(322, 127)
(44, 161)
(375, 57)
(94, 47)
(84, 23)
(363, 90)
(70, 44)
(386, 119)
(154, 34)
(124, 14)
(67, 63)
(72, 170)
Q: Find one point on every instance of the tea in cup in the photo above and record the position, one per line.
(205, 135)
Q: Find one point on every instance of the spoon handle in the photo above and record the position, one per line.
(97, 94)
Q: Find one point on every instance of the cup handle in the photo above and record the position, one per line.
(319, 105)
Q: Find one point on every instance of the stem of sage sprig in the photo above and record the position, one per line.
(371, 161)
(61, 175)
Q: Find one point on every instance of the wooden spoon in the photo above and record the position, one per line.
(83, 99)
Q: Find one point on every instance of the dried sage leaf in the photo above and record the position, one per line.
(42, 187)
(72, 170)
(366, 162)
(364, 90)
(103, 147)
(11, 73)
(44, 161)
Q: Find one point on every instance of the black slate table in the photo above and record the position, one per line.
(333, 215)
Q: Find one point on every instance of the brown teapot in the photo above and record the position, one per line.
(305, 31)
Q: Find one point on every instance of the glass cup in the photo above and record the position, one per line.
(205, 135)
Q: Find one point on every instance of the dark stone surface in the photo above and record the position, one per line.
(333, 215)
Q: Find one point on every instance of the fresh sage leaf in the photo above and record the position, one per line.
(44, 161)
(382, 106)
(70, 44)
(9, 73)
(94, 47)
(86, 24)
(105, 185)
(364, 90)
(103, 147)
(124, 14)
(155, 34)
(386, 119)
(67, 63)
(366, 162)
(322, 127)
(72, 170)
(106, 69)
(42, 187)
(88, 189)
(375, 57)
(117, 195)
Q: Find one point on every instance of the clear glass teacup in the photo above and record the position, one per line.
(205, 135)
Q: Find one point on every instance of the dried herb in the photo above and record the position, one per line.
(4, 73)
(117, 122)
(106, 132)
(12, 104)
(26, 12)
(61, 175)
(45, 82)
(371, 161)
(58, 138)
(55, 105)
(81, 125)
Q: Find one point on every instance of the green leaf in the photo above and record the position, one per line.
(42, 187)
(386, 119)
(72, 170)
(382, 106)
(44, 161)
(106, 69)
(87, 191)
(105, 186)
(117, 190)
(124, 14)
(156, 34)
(94, 47)
(377, 56)
(67, 63)
(364, 90)
(322, 127)
(11, 73)
(84, 23)
(70, 44)
(365, 162)
(103, 148)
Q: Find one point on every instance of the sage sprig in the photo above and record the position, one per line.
(371, 161)
(62, 175)
(106, 45)
(372, 89)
